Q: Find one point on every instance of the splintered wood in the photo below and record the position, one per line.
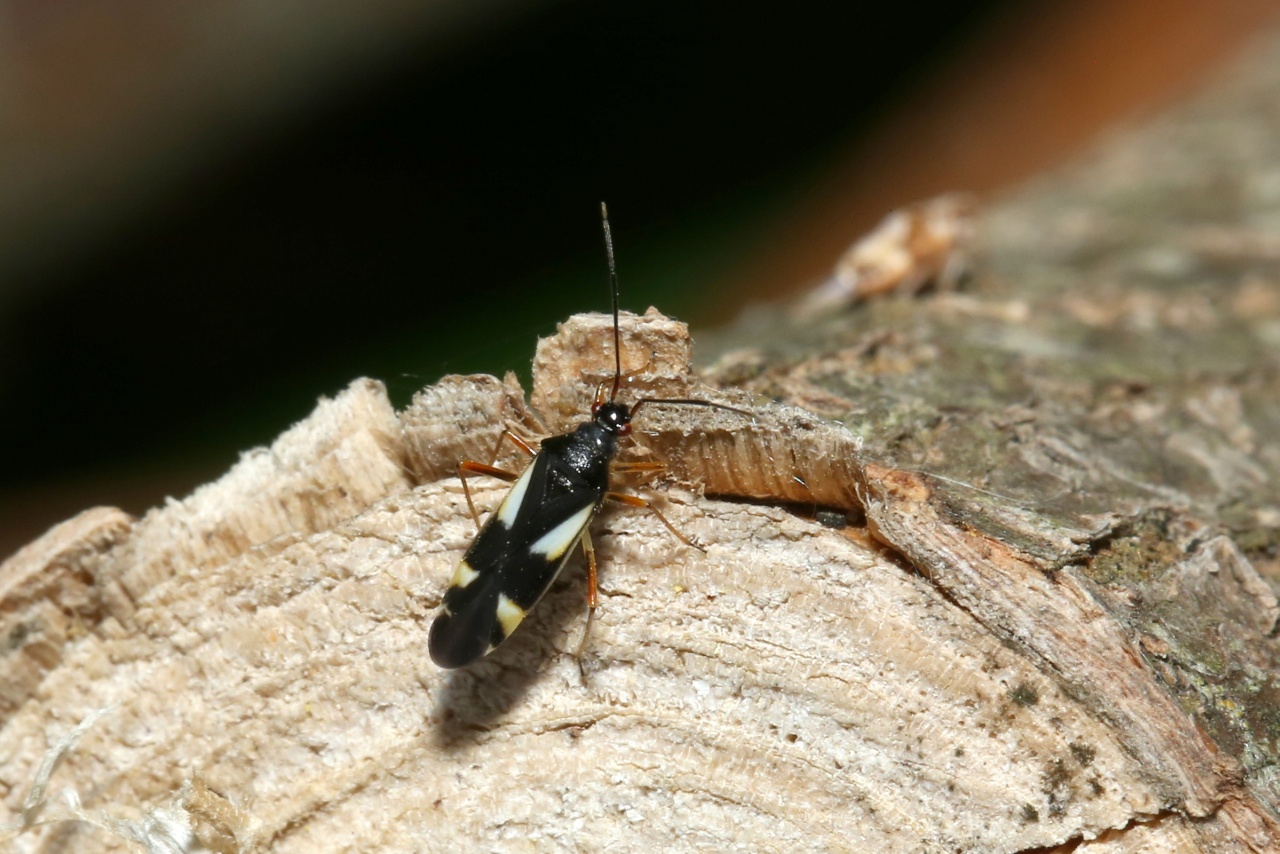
(990, 570)
(259, 653)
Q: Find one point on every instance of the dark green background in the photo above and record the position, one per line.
(442, 219)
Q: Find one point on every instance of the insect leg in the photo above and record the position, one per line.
(592, 596)
(637, 501)
(515, 440)
(587, 549)
(639, 466)
(467, 467)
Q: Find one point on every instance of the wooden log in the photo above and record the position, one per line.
(986, 570)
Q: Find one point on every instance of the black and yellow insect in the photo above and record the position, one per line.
(527, 541)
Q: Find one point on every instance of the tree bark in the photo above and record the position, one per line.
(991, 570)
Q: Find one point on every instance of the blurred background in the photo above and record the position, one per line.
(211, 213)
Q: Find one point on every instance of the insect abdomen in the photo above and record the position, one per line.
(510, 565)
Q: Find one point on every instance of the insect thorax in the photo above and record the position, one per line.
(586, 452)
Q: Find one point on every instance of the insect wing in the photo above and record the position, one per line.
(511, 563)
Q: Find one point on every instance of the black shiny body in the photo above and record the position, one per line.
(550, 505)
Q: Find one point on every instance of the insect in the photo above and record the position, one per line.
(525, 543)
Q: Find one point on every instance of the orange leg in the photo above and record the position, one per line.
(468, 467)
(593, 598)
(637, 501)
(515, 440)
(639, 467)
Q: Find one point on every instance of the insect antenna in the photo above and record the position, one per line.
(617, 345)
(674, 401)
(613, 284)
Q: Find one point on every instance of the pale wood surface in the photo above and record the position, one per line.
(1050, 621)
